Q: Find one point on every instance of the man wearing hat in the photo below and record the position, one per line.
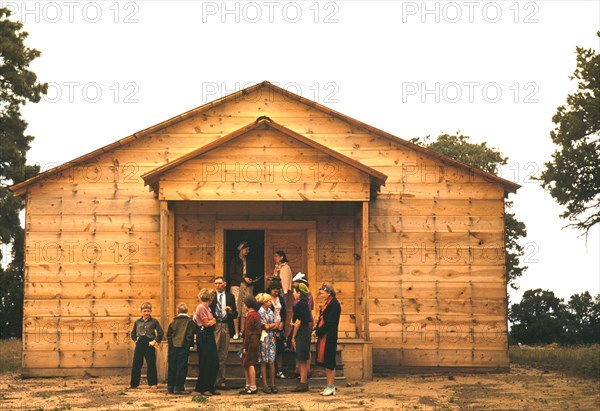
(241, 283)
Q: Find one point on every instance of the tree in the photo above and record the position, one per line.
(18, 85)
(572, 177)
(488, 159)
(582, 322)
(538, 318)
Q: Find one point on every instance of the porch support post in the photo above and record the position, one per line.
(364, 262)
(167, 263)
(361, 257)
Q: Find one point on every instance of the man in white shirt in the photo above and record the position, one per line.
(224, 310)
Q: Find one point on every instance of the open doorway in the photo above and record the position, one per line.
(255, 258)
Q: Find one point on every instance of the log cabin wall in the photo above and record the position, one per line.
(437, 287)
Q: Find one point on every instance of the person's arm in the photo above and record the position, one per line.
(134, 331)
(159, 331)
(190, 332)
(170, 332)
(331, 320)
(233, 312)
(282, 312)
(286, 278)
(205, 317)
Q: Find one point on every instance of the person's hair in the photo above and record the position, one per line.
(182, 308)
(220, 277)
(251, 302)
(328, 288)
(281, 253)
(302, 290)
(205, 295)
(146, 305)
(273, 286)
(263, 298)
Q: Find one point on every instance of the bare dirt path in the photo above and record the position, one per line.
(521, 389)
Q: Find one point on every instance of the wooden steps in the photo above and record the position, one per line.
(235, 371)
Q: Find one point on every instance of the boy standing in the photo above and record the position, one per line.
(146, 333)
(180, 336)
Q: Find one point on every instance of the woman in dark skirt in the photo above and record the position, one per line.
(326, 332)
(301, 334)
(208, 360)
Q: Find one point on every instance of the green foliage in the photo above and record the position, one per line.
(572, 177)
(538, 318)
(18, 85)
(489, 160)
(543, 318)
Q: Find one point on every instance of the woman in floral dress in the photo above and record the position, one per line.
(267, 341)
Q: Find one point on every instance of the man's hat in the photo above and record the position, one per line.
(243, 245)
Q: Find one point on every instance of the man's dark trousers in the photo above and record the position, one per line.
(143, 350)
(178, 368)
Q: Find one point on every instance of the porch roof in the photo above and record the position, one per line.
(265, 161)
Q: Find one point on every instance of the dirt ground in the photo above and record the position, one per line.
(521, 389)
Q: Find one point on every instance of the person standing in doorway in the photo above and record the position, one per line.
(224, 310)
(241, 282)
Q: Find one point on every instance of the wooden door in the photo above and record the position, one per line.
(293, 243)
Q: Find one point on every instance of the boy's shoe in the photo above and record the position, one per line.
(280, 374)
(328, 391)
(179, 390)
(266, 389)
(153, 387)
(301, 388)
(236, 336)
(170, 390)
(274, 390)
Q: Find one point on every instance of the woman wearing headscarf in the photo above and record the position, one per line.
(326, 332)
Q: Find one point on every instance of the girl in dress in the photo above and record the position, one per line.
(267, 342)
(251, 344)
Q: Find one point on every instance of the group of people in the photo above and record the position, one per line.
(262, 328)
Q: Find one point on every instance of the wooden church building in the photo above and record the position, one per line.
(412, 240)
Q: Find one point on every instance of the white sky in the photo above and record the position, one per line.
(410, 68)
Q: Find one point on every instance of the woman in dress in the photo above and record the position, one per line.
(278, 307)
(267, 341)
(301, 335)
(326, 332)
(208, 360)
(300, 278)
(251, 345)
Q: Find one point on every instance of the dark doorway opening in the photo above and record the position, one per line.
(256, 257)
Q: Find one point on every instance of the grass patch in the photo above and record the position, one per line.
(580, 361)
(10, 355)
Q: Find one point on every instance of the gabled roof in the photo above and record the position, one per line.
(152, 177)
(19, 189)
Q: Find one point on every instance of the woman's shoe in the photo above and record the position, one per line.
(249, 391)
(328, 391)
